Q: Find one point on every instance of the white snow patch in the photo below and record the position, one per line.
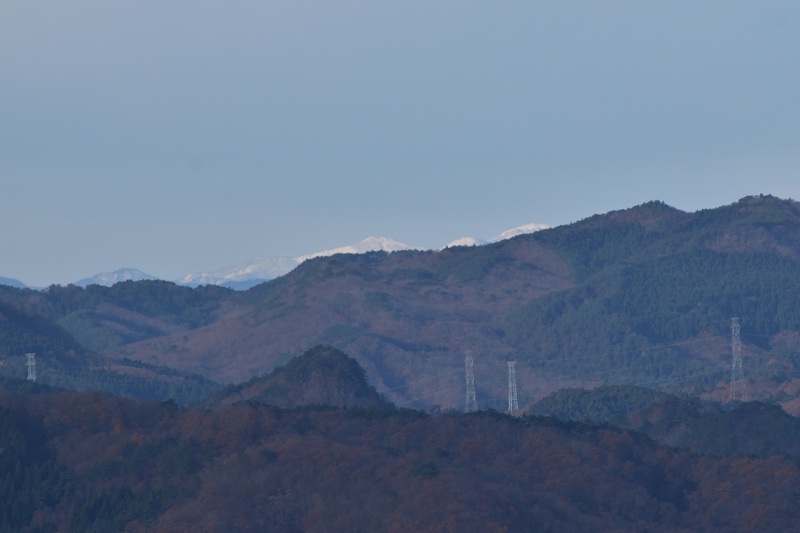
(107, 279)
(519, 230)
(465, 241)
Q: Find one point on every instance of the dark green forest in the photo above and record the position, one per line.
(636, 317)
(92, 462)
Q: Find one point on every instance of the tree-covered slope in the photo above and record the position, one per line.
(66, 327)
(643, 296)
(61, 361)
(320, 376)
(102, 317)
(91, 462)
(748, 428)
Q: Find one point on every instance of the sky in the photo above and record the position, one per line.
(181, 136)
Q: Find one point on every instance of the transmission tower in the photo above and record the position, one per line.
(470, 403)
(512, 387)
(738, 391)
(31, 366)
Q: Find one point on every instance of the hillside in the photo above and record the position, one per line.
(642, 295)
(43, 323)
(638, 296)
(751, 428)
(100, 317)
(96, 463)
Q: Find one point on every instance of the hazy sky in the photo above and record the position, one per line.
(184, 136)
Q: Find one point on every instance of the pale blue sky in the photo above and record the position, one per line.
(184, 136)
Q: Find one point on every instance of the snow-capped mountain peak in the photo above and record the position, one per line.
(262, 269)
(508, 234)
(251, 273)
(370, 244)
(519, 230)
(465, 241)
(266, 268)
(108, 279)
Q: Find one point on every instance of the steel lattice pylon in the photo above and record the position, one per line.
(470, 402)
(31, 366)
(738, 391)
(513, 405)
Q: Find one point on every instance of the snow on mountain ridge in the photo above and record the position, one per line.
(508, 234)
(110, 278)
(266, 268)
(519, 230)
(370, 244)
(466, 241)
(260, 269)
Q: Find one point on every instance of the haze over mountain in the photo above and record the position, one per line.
(262, 269)
(267, 268)
(108, 279)
(11, 282)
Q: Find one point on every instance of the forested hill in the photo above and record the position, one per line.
(749, 428)
(638, 296)
(67, 328)
(321, 376)
(96, 463)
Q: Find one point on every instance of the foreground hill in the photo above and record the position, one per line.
(92, 463)
(639, 296)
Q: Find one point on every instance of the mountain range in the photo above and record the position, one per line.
(641, 296)
(259, 270)
(332, 397)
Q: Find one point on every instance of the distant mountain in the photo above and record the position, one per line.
(508, 234)
(259, 270)
(107, 279)
(466, 241)
(519, 230)
(247, 275)
(11, 282)
(266, 268)
(370, 244)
